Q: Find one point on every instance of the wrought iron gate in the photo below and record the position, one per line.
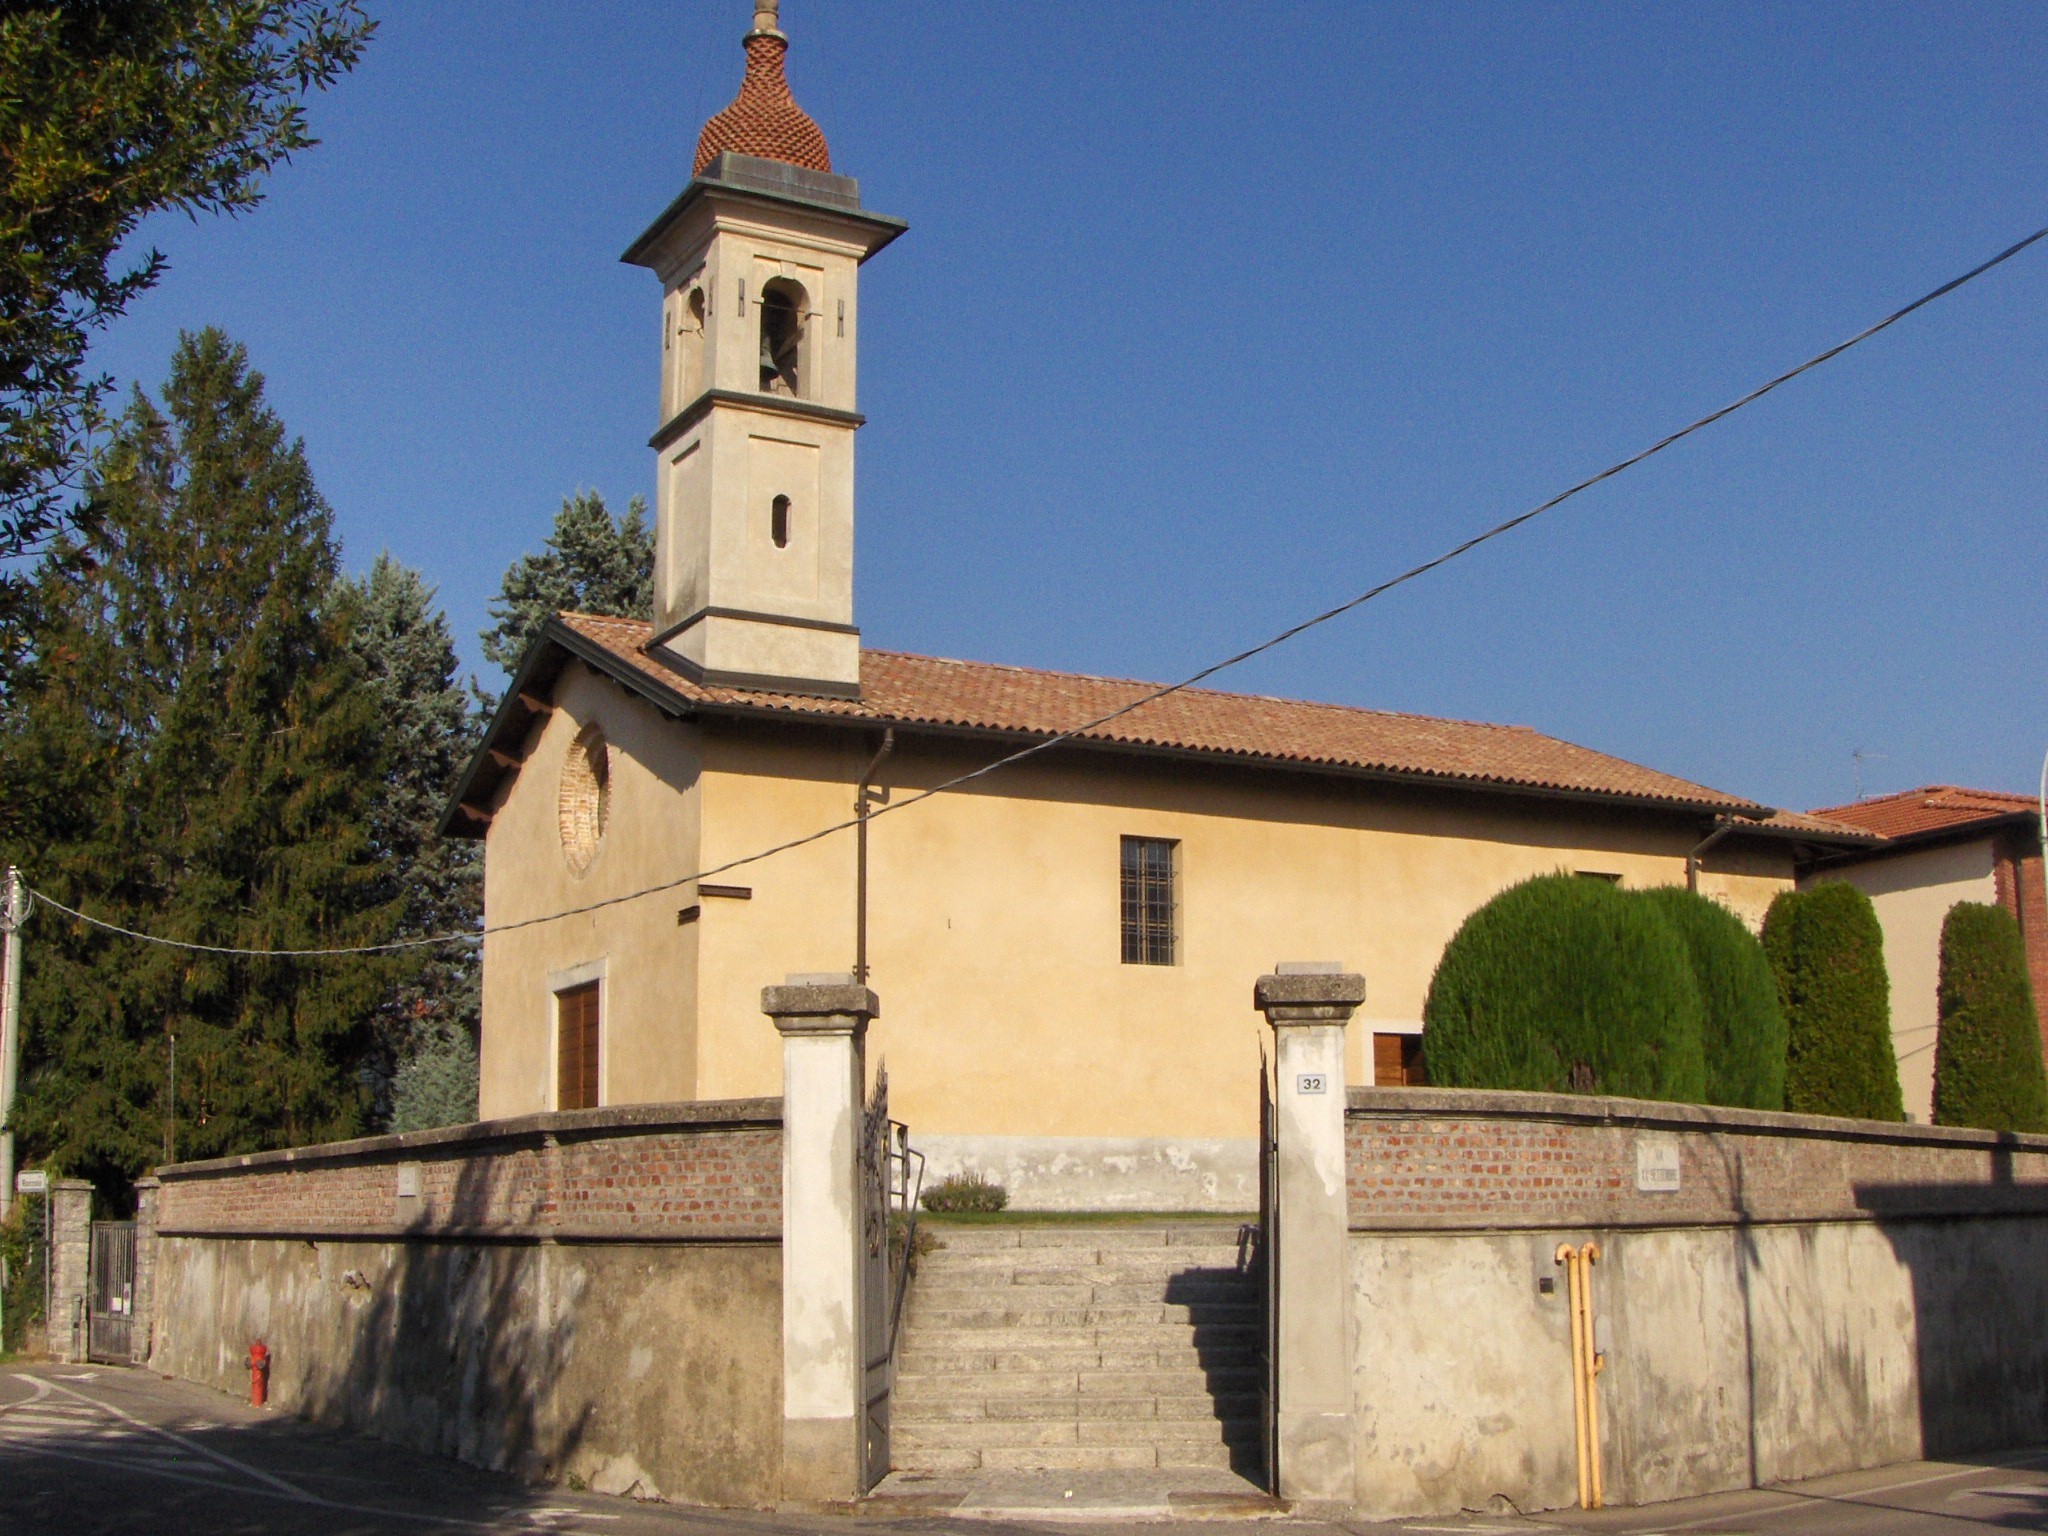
(110, 1299)
(891, 1176)
(1269, 1255)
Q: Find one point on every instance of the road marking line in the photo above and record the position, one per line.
(191, 1445)
(1796, 1500)
(277, 1489)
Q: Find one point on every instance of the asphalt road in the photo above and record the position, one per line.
(86, 1450)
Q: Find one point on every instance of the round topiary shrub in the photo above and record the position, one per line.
(1987, 1056)
(1566, 985)
(1827, 953)
(1742, 1028)
(966, 1192)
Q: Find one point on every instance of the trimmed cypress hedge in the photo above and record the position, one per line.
(1987, 1056)
(1566, 985)
(1742, 1026)
(1827, 953)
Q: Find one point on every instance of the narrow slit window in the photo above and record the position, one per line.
(576, 1030)
(778, 522)
(1150, 907)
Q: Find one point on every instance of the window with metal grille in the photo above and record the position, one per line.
(1149, 915)
(576, 1047)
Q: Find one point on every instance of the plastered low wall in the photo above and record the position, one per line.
(593, 1295)
(1106, 1173)
(1815, 1295)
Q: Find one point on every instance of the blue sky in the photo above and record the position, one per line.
(1210, 316)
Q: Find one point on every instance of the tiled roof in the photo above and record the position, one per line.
(1932, 808)
(764, 118)
(897, 688)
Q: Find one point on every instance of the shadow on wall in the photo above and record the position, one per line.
(1225, 1308)
(1977, 1255)
(455, 1344)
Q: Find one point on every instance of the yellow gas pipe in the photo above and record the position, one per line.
(1587, 1364)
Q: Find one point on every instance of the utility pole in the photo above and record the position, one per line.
(10, 1032)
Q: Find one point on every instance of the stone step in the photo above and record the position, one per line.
(974, 1310)
(942, 1335)
(1234, 1408)
(983, 1434)
(920, 1361)
(1158, 1382)
(1021, 1261)
(1111, 1290)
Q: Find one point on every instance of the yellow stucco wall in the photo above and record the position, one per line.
(648, 963)
(994, 934)
(1913, 893)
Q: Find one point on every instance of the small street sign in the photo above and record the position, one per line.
(32, 1181)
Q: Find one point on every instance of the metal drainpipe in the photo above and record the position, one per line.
(1722, 828)
(860, 811)
(1588, 1361)
(1723, 825)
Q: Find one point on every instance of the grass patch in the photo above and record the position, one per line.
(1083, 1218)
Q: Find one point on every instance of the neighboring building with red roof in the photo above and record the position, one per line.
(1940, 844)
(1064, 948)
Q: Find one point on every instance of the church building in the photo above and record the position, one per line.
(1064, 949)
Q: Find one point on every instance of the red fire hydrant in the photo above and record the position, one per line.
(259, 1374)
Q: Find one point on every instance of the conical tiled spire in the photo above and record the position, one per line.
(764, 119)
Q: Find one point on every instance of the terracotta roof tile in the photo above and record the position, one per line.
(898, 688)
(1931, 808)
(764, 118)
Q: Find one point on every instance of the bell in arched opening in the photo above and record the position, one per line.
(782, 336)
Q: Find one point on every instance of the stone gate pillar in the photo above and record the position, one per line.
(70, 1239)
(1309, 1004)
(142, 1313)
(824, 1023)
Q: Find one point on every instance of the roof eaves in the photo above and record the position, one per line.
(1469, 783)
(1881, 846)
(538, 669)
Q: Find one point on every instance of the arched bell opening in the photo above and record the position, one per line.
(785, 338)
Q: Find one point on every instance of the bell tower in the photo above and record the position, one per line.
(759, 261)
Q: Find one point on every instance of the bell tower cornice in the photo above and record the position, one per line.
(742, 189)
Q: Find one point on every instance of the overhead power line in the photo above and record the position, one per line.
(1154, 695)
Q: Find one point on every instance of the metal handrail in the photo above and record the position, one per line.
(901, 1152)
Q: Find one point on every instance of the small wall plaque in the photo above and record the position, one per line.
(1311, 1082)
(1657, 1165)
(408, 1181)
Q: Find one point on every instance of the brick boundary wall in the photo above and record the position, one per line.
(705, 1172)
(1469, 1160)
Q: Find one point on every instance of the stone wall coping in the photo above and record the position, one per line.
(1651, 1114)
(491, 1135)
(509, 1233)
(57, 1184)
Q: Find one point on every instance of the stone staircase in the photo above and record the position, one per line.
(1053, 1348)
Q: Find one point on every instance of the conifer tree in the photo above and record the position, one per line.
(592, 563)
(426, 1057)
(198, 753)
(1987, 1053)
(1827, 952)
